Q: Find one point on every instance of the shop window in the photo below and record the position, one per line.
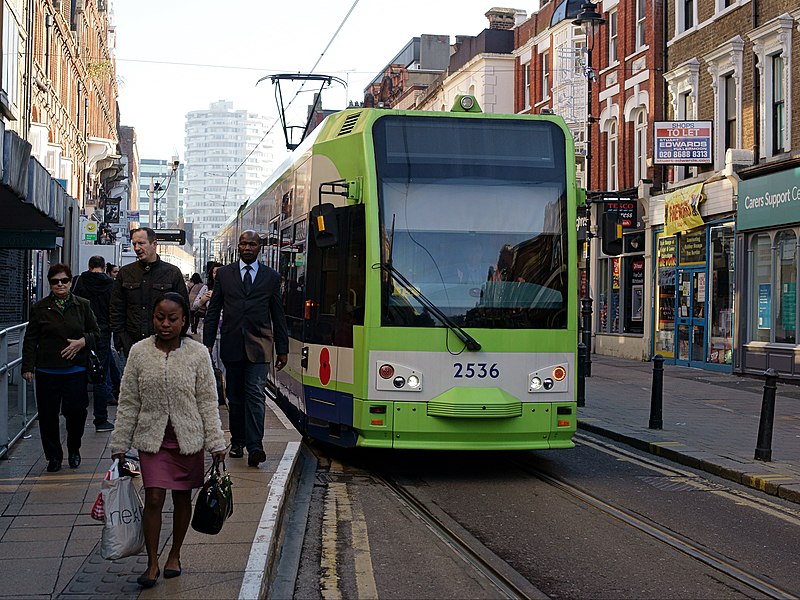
(720, 346)
(666, 259)
(786, 287)
(760, 288)
(620, 306)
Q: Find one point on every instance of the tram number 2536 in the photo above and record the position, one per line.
(479, 370)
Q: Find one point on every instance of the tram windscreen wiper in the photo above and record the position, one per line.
(470, 342)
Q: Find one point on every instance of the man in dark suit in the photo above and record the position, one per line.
(248, 292)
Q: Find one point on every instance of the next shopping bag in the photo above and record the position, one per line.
(123, 534)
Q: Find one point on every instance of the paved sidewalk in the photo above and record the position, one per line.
(710, 421)
(49, 545)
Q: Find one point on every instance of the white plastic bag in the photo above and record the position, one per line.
(123, 534)
(98, 510)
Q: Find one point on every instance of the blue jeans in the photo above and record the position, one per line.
(244, 386)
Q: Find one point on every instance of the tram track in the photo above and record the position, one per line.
(510, 583)
(662, 534)
(498, 572)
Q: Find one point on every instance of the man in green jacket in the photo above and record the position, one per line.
(136, 288)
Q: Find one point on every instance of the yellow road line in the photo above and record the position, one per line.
(329, 579)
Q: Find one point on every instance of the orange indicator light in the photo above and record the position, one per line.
(559, 373)
(563, 423)
(376, 422)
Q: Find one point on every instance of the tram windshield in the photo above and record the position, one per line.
(478, 210)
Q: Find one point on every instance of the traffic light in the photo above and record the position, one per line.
(611, 239)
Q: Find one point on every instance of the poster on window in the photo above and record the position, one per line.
(637, 303)
(764, 304)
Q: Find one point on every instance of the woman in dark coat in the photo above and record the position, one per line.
(55, 350)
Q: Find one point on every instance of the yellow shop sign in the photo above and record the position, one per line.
(682, 209)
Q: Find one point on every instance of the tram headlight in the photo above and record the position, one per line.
(399, 382)
(536, 383)
(548, 384)
(413, 381)
(467, 102)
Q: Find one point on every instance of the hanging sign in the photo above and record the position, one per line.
(682, 209)
(683, 143)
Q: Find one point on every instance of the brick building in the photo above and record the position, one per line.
(613, 137)
(726, 286)
(58, 101)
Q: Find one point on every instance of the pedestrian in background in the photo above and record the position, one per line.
(136, 287)
(113, 373)
(55, 350)
(95, 286)
(203, 297)
(195, 283)
(248, 292)
(168, 411)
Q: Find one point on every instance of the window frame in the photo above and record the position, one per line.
(640, 34)
(545, 60)
(771, 39)
(726, 60)
(639, 144)
(613, 37)
(771, 239)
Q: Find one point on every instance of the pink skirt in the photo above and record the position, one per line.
(168, 468)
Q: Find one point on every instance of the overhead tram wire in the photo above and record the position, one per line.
(296, 94)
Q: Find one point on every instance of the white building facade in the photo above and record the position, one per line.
(228, 157)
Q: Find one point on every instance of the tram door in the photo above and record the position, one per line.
(691, 317)
(333, 305)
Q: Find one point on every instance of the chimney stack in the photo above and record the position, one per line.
(502, 18)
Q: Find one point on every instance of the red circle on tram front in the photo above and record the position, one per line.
(324, 366)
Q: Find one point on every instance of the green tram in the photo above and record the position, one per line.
(428, 277)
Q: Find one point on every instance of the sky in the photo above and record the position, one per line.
(176, 56)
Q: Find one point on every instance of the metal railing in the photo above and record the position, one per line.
(15, 417)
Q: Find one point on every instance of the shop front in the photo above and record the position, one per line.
(620, 306)
(768, 230)
(693, 283)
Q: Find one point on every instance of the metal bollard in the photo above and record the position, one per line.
(581, 374)
(656, 393)
(764, 443)
(586, 316)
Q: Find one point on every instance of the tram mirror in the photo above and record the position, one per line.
(323, 225)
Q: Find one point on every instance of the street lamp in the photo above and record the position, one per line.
(590, 21)
(202, 248)
(173, 165)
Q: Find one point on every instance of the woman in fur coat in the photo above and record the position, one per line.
(168, 411)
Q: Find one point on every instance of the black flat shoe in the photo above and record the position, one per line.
(74, 460)
(146, 582)
(256, 457)
(53, 465)
(170, 573)
(236, 452)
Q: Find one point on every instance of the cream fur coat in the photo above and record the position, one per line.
(179, 386)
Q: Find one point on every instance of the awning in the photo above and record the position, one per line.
(32, 204)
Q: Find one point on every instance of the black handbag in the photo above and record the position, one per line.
(95, 371)
(214, 502)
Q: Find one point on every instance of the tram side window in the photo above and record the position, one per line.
(356, 268)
